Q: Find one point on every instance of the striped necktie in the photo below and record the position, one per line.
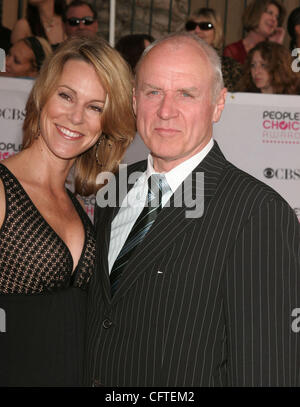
(157, 186)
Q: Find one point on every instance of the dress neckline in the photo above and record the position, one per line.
(76, 206)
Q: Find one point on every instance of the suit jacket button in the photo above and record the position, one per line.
(106, 323)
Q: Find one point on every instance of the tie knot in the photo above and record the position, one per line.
(157, 187)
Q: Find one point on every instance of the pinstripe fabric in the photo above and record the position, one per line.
(157, 184)
(203, 302)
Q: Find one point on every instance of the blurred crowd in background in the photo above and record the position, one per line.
(258, 62)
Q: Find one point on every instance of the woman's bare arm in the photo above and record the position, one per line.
(20, 30)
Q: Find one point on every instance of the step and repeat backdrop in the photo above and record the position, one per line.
(258, 133)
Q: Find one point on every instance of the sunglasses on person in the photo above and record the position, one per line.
(204, 25)
(74, 21)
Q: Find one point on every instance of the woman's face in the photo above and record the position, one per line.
(206, 35)
(70, 121)
(19, 61)
(259, 73)
(268, 21)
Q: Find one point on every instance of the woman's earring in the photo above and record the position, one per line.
(97, 146)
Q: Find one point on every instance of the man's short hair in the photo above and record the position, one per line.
(211, 54)
(78, 3)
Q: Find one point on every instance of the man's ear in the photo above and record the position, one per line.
(220, 104)
(134, 100)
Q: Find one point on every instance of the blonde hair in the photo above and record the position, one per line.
(117, 119)
(214, 18)
(45, 45)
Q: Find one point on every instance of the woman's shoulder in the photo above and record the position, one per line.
(21, 30)
(236, 50)
(234, 46)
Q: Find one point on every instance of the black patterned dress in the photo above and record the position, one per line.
(42, 301)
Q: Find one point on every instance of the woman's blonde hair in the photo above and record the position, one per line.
(46, 49)
(256, 8)
(214, 18)
(117, 119)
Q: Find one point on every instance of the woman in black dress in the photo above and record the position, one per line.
(78, 115)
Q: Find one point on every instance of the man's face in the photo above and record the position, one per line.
(87, 28)
(173, 102)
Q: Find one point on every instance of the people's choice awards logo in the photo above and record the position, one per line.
(281, 127)
(2, 60)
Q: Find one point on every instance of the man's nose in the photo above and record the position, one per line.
(82, 26)
(167, 108)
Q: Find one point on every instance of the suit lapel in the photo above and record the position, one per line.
(103, 230)
(172, 220)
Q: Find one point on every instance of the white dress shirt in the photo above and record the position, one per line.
(134, 201)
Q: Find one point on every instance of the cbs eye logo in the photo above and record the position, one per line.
(284, 174)
(269, 173)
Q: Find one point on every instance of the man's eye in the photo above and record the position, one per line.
(186, 94)
(153, 92)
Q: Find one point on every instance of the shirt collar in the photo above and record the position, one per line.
(177, 175)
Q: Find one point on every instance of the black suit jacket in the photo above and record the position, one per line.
(205, 301)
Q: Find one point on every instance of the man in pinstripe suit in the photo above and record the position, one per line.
(203, 301)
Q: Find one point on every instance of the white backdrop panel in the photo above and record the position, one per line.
(258, 133)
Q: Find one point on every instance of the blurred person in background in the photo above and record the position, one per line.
(80, 18)
(4, 38)
(43, 19)
(207, 25)
(132, 46)
(26, 57)
(293, 27)
(262, 20)
(268, 70)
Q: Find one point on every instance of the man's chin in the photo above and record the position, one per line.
(84, 33)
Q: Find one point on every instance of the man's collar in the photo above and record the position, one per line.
(178, 174)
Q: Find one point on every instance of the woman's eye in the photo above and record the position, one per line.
(65, 96)
(97, 109)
